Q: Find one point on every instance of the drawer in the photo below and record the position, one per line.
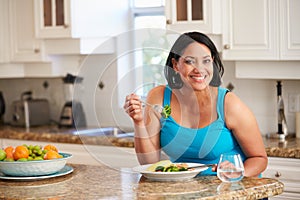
(287, 171)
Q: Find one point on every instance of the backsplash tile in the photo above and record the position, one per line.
(54, 93)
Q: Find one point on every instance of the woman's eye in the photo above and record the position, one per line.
(190, 61)
(206, 61)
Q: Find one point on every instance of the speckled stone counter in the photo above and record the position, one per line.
(290, 148)
(64, 135)
(101, 182)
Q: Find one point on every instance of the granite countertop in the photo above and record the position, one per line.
(290, 148)
(65, 135)
(101, 182)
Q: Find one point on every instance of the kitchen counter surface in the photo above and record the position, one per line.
(101, 182)
(290, 148)
(104, 137)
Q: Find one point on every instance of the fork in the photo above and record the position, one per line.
(202, 166)
(156, 107)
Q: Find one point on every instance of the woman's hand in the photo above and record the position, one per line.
(214, 168)
(133, 107)
(229, 170)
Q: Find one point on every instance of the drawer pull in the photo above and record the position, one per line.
(36, 50)
(226, 46)
(277, 174)
(169, 21)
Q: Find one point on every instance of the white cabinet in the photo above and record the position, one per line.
(4, 34)
(52, 18)
(193, 15)
(249, 30)
(80, 27)
(24, 46)
(261, 30)
(289, 29)
(80, 19)
(287, 171)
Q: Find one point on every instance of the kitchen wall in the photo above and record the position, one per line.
(259, 95)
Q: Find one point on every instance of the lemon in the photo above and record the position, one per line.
(163, 163)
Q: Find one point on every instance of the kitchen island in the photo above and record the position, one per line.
(116, 150)
(101, 182)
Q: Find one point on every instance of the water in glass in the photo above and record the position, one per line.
(230, 168)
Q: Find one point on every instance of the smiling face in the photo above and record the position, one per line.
(195, 66)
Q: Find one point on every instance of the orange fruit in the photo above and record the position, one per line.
(9, 152)
(51, 154)
(49, 147)
(20, 152)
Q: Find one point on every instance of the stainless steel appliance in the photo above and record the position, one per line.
(72, 114)
(282, 125)
(30, 112)
(282, 129)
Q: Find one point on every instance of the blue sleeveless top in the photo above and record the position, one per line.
(203, 145)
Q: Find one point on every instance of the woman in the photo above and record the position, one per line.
(206, 120)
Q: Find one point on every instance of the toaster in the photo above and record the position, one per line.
(30, 112)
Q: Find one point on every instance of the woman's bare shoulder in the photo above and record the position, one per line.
(236, 110)
(157, 90)
(155, 95)
(233, 102)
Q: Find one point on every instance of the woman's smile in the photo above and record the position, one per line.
(198, 77)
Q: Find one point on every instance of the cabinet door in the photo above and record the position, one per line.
(290, 29)
(52, 18)
(24, 46)
(4, 29)
(191, 15)
(249, 30)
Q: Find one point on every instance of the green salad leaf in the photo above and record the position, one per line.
(166, 112)
(172, 168)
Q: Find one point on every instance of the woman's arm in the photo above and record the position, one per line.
(146, 126)
(243, 124)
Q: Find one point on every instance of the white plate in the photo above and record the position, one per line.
(169, 176)
(64, 171)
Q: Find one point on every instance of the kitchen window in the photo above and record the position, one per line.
(149, 62)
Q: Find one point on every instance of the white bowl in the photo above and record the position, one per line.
(34, 168)
(170, 176)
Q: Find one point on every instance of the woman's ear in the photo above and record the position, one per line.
(174, 64)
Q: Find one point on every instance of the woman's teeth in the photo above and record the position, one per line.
(198, 77)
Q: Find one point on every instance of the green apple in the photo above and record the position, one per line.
(2, 154)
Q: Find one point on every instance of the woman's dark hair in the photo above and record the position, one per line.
(173, 78)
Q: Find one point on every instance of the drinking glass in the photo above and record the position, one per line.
(230, 168)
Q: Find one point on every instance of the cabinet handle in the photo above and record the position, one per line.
(277, 174)
(36, 51)
(226, 46)
(169, 21)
